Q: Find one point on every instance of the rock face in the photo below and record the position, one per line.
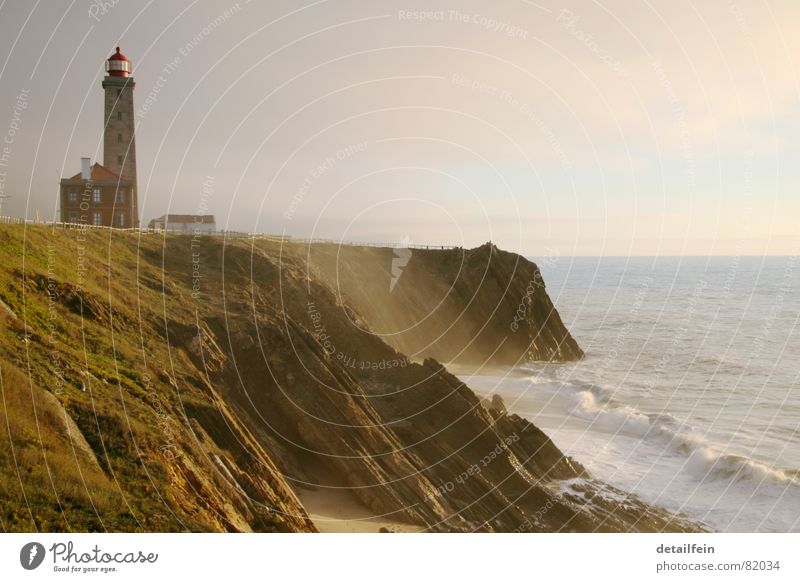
(267, 376)
(473, 307)
(495, 405)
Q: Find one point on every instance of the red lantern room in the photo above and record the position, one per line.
(118, 65)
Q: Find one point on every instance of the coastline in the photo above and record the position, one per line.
(649, 455)
(259, 393)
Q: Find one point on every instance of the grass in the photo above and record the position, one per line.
(99, 329)
(45, 486)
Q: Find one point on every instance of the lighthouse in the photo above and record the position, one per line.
(106, 195)
(119, 139)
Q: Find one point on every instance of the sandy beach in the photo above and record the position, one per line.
(338, 511)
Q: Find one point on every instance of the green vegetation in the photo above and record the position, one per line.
(92, 343)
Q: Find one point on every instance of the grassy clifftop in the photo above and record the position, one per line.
(104, 416)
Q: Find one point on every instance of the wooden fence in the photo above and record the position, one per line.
(226, 234)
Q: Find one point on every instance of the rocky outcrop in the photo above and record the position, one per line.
(494, 405)
(473, 307)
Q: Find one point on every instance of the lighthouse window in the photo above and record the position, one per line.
(97, 196)
(72, 195)
(121, 219)
(119, 160)
(97, 219)
(119, 115)
(119, 138)
(119, 92)
(120, 196)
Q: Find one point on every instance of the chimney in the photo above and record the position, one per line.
(86, 168)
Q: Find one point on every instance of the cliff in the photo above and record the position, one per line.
(171, 383)
(472, 307)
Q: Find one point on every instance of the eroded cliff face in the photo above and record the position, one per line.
(211, 382)
(473, 307)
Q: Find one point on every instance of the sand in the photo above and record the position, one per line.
(339, 511)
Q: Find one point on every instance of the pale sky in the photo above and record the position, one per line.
(569, 128)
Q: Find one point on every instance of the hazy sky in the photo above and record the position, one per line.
(569, 128)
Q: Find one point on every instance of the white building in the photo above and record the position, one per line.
(185, 223)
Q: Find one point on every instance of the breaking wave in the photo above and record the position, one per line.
(702, 458)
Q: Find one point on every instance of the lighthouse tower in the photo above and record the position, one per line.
(106, 195)
(119, 139)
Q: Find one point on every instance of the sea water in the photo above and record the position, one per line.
(689, 395)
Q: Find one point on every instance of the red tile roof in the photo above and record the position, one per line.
(99, 173)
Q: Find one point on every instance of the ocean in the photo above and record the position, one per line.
(689, 395)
